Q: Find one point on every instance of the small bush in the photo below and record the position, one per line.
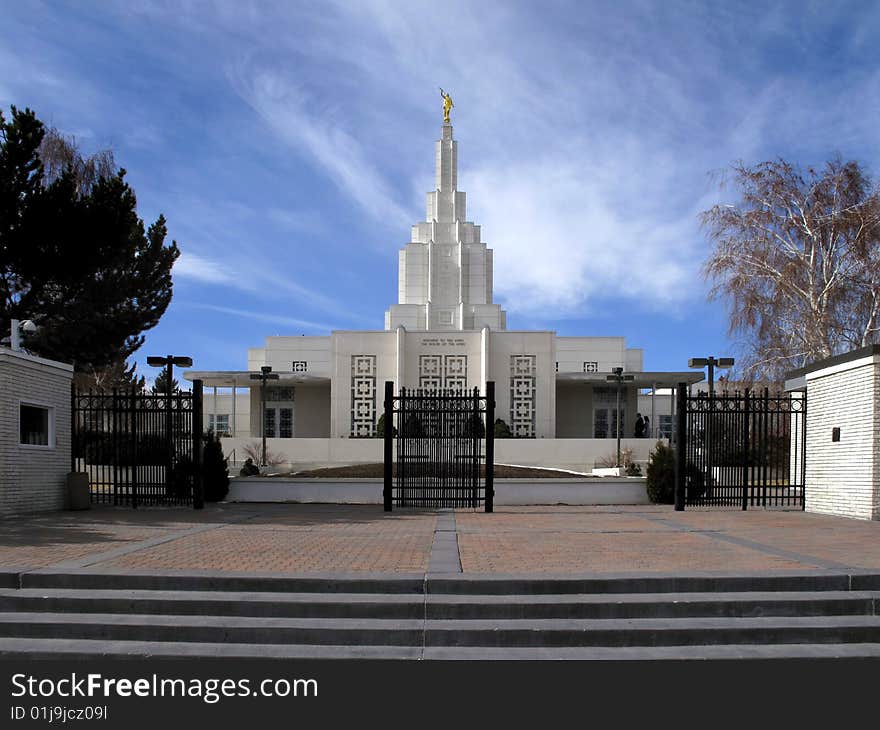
(609, 461)
(255, 450)
(633, 470)
(380, 428)
(215, 472)
(502, 430)
(182, 478)
(661, 474)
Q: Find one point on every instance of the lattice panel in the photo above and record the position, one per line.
(363, 395)
(455, 371)
(443, 371)
(523, 369)
(280, 393)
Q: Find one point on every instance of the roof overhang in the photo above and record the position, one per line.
(242, 378)
(640, 380)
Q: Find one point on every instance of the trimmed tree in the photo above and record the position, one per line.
(74, 256)
(660, 475)
(215, 469)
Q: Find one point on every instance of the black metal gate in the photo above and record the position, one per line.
(139, 448)
(741, 449)
(439, 436)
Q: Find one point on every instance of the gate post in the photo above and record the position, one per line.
(134, 449)
(490, 446)
(745, 447)
(680, 446)
(198, 483)
(389, 435)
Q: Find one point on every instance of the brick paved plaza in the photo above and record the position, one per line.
(346, 538)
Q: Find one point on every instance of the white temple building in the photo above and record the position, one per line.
(445, 331)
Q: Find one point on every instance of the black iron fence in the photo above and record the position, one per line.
(439, 457)
(139, 448)
(741, 449)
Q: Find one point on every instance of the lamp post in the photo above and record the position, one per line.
(619, 378)
(264, 375)
(711, 362)
(15, 329)
(168, 362)
(698, 363)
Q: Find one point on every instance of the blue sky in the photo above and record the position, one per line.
(290, 146)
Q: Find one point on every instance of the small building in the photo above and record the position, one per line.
(34, 432)
(445, 331)
(842, 467)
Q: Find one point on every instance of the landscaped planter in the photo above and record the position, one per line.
(605, 490)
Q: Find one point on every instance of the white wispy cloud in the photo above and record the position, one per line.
(199, 268)
(266, 317)
(297, 119)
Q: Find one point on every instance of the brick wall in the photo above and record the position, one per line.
(842, 477)
(32, 479)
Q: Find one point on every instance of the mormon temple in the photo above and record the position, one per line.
(445, 331)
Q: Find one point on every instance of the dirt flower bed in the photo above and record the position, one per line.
(376, 471)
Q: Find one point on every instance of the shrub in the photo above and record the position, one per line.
(380, 428)
(609, 461)
(502, 430)
(633, 470)
(474, 426)
(254, 449)
(661, 474)
(182, 478)
(215, 472)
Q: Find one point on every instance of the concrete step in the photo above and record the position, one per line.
(214, 603)
(474, 633)
(654, 632)
(11, 648)
(440, 583)
(109, 579)
(436, 606)
(653, 605)
(475, 583)
(212, 629)
(31, 648)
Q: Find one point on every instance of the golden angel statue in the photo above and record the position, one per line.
(447, 105)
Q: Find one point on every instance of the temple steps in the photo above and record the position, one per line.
(82, 613)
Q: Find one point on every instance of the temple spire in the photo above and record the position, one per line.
(446, 173)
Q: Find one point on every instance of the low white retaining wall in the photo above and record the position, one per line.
(507, 491)
(572, 454)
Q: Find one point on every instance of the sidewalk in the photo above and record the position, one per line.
(304, 538)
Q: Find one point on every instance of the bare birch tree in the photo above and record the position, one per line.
(797, 260)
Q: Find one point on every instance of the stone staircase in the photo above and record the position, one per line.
(85, 614)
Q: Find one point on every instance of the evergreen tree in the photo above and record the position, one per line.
(215, 471)
(161, 383)
(118, 374)
(74, 256)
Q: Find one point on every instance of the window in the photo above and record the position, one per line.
(221, 426)
(279, 420)
(285, 420)
(35, 425)
(665, 424)
(270, 423)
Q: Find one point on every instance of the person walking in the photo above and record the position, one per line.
(639, 431)
(647, 430)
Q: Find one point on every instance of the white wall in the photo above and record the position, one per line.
(843, 477)
(572, 454)
(224, 403)
(33, 478)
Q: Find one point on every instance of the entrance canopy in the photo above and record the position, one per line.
(242, 378)
(640, 380)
